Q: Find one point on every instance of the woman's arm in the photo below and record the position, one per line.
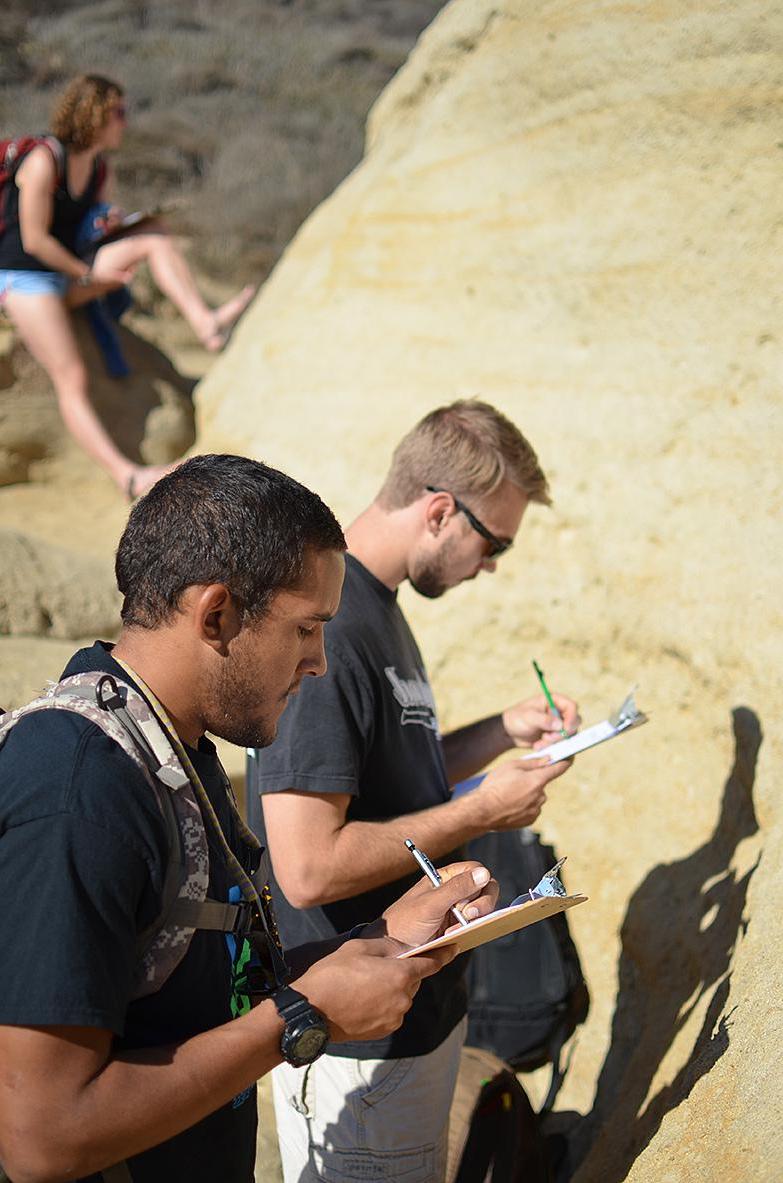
(36, 180)
(106, 196)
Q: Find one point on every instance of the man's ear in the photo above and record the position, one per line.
(216, 615)
(437, 512)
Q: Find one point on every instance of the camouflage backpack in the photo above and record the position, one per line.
(127, 718)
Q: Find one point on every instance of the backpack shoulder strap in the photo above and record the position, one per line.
(125, 716)
(101, 172)
(16, 149)
(58, 154)
(61, 696)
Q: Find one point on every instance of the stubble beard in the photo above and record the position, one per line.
(428, 577)
(233, 707)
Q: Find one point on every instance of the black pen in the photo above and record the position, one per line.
(433, 875)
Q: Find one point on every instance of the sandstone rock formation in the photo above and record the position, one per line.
(60, 516)
(47, 592)
(573, 211)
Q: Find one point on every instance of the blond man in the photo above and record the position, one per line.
(360, 764)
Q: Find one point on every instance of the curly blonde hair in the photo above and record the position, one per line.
(83, 110)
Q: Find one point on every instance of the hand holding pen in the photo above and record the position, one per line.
(425, 911)
(538, 721)
(432, 873)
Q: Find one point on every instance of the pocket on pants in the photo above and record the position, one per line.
(368, 1166)
(386, 1077)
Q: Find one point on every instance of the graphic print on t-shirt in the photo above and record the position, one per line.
(415, 697)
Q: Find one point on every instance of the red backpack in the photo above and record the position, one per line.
(13, 152)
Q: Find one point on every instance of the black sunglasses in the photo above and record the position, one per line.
(498, 546)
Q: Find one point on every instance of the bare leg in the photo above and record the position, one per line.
(43, 324)
(175, 279)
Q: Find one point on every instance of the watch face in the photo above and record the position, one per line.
(310, 1043)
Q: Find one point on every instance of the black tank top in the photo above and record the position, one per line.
(67, 214)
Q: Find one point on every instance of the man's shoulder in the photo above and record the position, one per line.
(58, 762)
(367, 610)
(359, 598)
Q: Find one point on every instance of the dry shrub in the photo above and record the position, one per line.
(252, 110)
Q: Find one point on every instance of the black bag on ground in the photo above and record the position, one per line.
(526, 991)
(494, 1134)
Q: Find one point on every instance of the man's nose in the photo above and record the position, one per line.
(316, 662)
(489, 565)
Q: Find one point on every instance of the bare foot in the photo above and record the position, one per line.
(225, 317)
(144, 477)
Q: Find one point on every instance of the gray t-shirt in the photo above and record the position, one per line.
(368, 728)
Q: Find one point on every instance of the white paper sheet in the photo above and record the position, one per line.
(624, 718)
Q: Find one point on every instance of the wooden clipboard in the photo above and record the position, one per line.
(499, 923)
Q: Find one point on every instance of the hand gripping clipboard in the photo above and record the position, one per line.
(546, 899)
(625, 718)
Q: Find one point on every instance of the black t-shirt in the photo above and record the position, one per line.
(367, 728)
(83, 853)
(67, 215)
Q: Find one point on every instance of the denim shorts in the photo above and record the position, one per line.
(33, 283)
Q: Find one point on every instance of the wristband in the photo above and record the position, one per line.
(85, 280)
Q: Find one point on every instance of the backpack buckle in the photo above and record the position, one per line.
(244, 918)
(109, 704)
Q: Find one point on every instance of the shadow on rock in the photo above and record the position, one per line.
(678, 938)
(149, 414)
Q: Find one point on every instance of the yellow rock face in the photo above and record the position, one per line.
(575, 211)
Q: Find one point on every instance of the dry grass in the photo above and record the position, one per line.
(252, 109)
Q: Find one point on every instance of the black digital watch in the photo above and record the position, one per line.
(306, 1033)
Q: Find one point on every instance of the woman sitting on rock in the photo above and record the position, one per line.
(41, 276)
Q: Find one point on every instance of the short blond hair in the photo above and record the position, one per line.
(467, 447)
(83, 110)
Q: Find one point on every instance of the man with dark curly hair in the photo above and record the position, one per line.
(110, 1070)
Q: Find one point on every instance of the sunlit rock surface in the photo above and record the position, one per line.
(575, 212)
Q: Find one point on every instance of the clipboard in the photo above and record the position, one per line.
(499, 923)
(138, 218)
(625, 718)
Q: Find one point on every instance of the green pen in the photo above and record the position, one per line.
(548, 695)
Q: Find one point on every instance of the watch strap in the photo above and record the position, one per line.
(302, 1021)
(291, 1004)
